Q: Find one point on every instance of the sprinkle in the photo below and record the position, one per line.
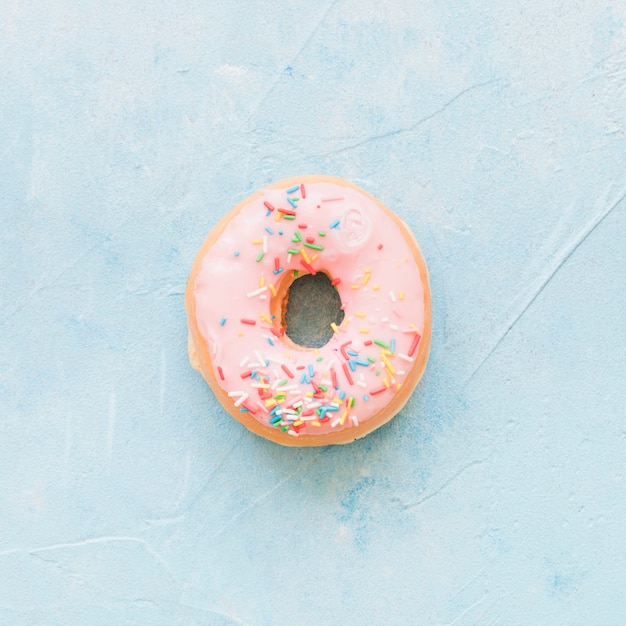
(371, 359)
(223, 321)
(335, 281)
(236, 253)
(302, 191)
(303, 226)
(289, 217)
(388, 364)
(401, 295)
(322, 233)
(376, 287)
(346, 371)
(293, 189)
(260, 257)
(335, 224)
(305, 255)
(246, 374)
(355, 420)
(268, 206)
(378, 390)
(250, 322)
(380, 246)
(220, 371)
(269, 230)
(364, 330)
(342, 349)
(369, 342)
(292, 203)
(248, 408)
(241, 400)
(333, 199)
(292, 251)
(260, 359)
(392, 296)
(234, 394)
(413, 347)
(257, 292)
(313, 246)
(404, 357)
(257, 242)
(308, 267)
(273, 289)
(333, 376)
(244, 361)
(297, 238)
(287, 212)
(392, 346)
(380, 343)
(355, 286)
(368, 274)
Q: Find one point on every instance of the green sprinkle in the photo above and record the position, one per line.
(324, 389)
(289, 217)
(285, 429)
(319, 358)
(314, 246)
(371, 359)
(377, 372)
(292, 251)
(296, 237)
(295, 273)
(281, 383)
(380, 343)
(260, 257)
(351, 401)
(322, 233)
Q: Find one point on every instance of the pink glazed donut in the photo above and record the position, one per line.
(237, 302)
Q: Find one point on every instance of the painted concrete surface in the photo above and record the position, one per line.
(495, 130)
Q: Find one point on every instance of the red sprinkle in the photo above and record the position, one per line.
(346, 371)
(248, 408)
(287, 371)
(300, 367)
(317, 389)
(264, 396)
(307, 266)
(302, 191)
(246, 374)
(413, 347)
(220, 372)
(333, 376)
(378, 390)
(335, 281)
(247, 321)
(278, 333)
(369, 342)
(380, 246)
(276, 263)
(310, 239)
(307, 412)
(286, 211)
(342, 348)
(302, 226)
(268, 206)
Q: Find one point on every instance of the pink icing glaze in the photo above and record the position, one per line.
(380, 288)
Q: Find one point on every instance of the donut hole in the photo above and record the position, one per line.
(312, 305)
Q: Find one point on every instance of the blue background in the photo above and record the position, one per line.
(498, 133)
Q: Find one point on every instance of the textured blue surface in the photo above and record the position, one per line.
(498, 133)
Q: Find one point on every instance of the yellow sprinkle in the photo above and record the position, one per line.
(386, 383)
(389, 366)
(315, 423)
(305, 255)
(270, 402)
(346, 321)
(401, 295)
(266, 319)
(257, 241)
(240, 333)
(278, 216)
(309, 394)
(273, 289)
(368, 274)
(406, 259)
(314, 257)
(262, 281)
(316, 351)
(298, 422)
(364, 330)
(376, 287)
(359, 314)
(355, 286)
(342, 421)
(288, 355)
(398, 385)
(334, 327)
(350, 402)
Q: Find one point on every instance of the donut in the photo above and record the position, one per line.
(282, 259)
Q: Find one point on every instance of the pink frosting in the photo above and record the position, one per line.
(381, 292)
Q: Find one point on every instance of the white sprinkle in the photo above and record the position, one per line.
(335, 422)
(400, 372)
(335, 404)
(263, 296)
(261, 359)
(313, 405)
(384, 320)
(257, 292)
(297, 404)
(289, 258)
(355, 420)
(326, 381)
(361, 383)
(293, 433)
(244, 361)
(234, 394)
(392, 295)
(262, 407)
(273, 359)
(405, 357)
(264, 244)
(260, 385)
(241, 399)
(287, 387)
(394, 327)
(288, 411)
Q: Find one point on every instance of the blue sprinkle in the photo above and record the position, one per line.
(268, 213)
(311, 371)
(292, 203)
(223, 321)
(280, 232)
(366, 398)
(392, 346)
(293, 189)
(236, 253)
(271, 341)
(275, 419)
(335, 224)
(303, 379)
(278, 271)
(331, 408)
(352, 365)
(269, 230)
(243, 409)
(342, 395)
(352, 352)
